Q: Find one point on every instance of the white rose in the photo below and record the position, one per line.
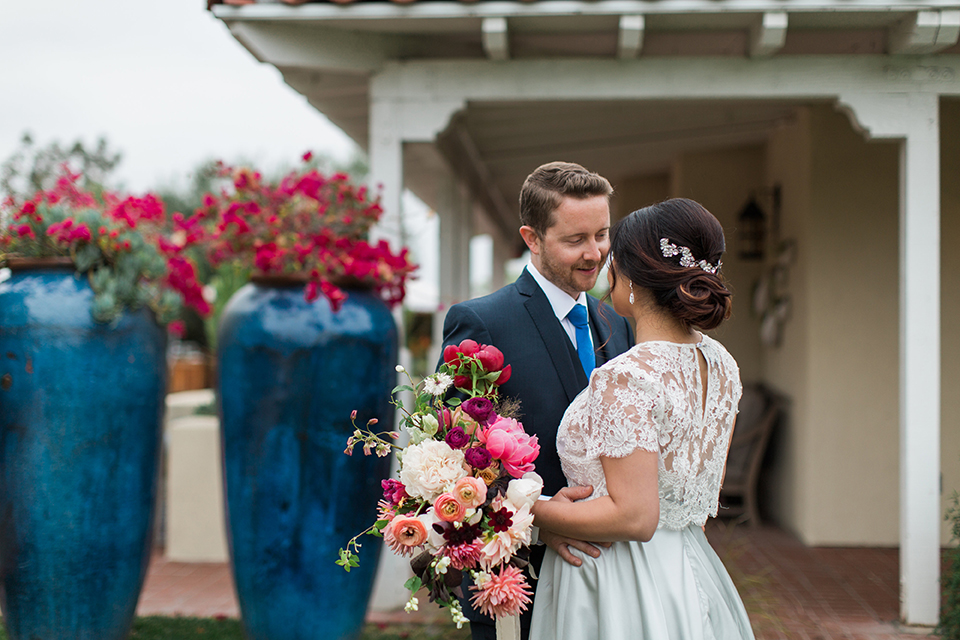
(525, 491)
(430, 468)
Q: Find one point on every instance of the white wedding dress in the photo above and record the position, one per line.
(673, 587)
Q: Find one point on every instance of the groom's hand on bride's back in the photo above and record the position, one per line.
(563, 544)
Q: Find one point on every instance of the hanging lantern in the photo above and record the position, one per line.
(752, 231)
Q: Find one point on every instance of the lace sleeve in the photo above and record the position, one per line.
(625, 411)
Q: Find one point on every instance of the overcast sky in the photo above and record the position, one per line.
(163, 80)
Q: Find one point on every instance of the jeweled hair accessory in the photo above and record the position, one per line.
(668, 249)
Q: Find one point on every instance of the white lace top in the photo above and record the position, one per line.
(651, 398)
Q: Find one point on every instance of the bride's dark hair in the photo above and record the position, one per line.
(692, 295)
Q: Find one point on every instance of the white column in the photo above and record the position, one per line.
(502, 252)
(455, 232)
(920, 365)
(386, 168)
(913, 117)
(386, 173)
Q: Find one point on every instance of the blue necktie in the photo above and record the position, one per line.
(578, 316)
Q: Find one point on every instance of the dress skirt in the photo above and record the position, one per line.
(673, 587)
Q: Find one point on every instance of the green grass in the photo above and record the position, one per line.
(163, 628)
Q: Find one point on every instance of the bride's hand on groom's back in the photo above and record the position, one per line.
(562, 544)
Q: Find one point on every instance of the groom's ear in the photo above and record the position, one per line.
(531, 238)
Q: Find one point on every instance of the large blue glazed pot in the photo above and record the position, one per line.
(290, 372)
(80, 412)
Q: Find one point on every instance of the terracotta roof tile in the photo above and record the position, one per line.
(210, 3)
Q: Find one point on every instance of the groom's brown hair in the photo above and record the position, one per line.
(543, 190)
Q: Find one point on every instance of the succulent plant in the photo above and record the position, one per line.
(123, 244)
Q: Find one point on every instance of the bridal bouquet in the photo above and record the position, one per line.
(466, 487)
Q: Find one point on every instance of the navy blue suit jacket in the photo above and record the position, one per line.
(546, 373)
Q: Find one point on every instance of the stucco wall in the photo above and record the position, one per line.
(835, 473)
(853, 292)
(950, 300)
(722, 181)
(634, 193)
(835, 478)
(786, 368)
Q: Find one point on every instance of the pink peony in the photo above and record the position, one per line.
(448, 508)
(507, 442)
(504, 376)
(502, 594)
(470, 492)
(404, 534)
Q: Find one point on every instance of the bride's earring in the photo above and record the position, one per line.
(631, 292)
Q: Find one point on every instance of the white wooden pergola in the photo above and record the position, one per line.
(459, 101)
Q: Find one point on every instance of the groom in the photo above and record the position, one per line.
(550, 332)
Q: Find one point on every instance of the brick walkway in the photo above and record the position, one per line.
(791, 591)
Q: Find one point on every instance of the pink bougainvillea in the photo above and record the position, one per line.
(123, 242)
(307, 224)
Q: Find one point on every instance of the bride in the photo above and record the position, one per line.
(650, 434)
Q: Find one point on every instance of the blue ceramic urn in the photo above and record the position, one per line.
(80, 426)
(290, 373)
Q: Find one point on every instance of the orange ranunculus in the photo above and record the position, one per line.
(448, 508)
(404, 534)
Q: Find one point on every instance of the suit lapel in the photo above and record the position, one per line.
(555, 339)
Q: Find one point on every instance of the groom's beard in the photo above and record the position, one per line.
(569, 278)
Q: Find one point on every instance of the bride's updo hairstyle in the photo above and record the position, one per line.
(673, 249)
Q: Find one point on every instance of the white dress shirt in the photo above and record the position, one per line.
(561, 302)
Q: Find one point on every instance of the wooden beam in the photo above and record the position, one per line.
(495, 40)
(292, 45)
(925, 32)
(769, 34)
(630, 39)
(463, 155)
